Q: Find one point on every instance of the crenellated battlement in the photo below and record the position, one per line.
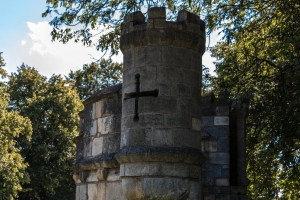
(187, 32)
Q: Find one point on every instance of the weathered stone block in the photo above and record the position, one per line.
(155, 188)
(152, 120)
(188, 106)
(157, 105)
(128, 107)
(209, 197)
(97, 146)
(128, 59)
(175, 57)
(108, 107)
(162, 137)
(178, 121)
(93, 111)
(105, 125)
(211, 190)
(166, 90)
(98, 109)
(114, 191)
(87, 147)
(207, 121)
(215, 131)
(92, 191)
(77, 192)
(184, 90)
(160, 23)
(209, 146)
(157, 12)
(148, 56)
(111, 143)
(219, 158)
(223, 144)
(208, 181)
(190, 77)
(101, 191)
(132, 188)
(184, 138)
(195, 171)
(83, 192)
(178, 170)
(211, 171)
(187, 16)
(222, 110)
(142, 169)
(136, 17)
(93, 128)
(196, 124)
(219, 121)
(169, 76)
(225, 190)
(222, 182)
(225, 172)
(135, 137)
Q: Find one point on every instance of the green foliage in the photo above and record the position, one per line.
(12, 165)
(104, 17)
(96, 76)
(52, 107)
(259, 64)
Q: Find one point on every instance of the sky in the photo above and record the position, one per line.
(25, 38)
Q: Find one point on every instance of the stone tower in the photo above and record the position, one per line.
(152, 138)
(160, 155)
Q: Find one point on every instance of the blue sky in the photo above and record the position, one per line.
(25, 37)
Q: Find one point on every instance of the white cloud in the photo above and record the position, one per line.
(23, 42)
(54, 57)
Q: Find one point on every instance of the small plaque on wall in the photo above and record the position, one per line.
(221, 121)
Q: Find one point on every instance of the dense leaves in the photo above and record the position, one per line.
(52, 107)
(260, 64)
(100, 20)
(12, 126)
(95, 76)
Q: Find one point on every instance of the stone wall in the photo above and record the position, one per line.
(223, 144)
(96, 171)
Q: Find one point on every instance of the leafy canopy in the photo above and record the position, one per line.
(52, 107)
(96, 76)
(12, 127)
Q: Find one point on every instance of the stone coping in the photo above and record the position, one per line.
(105, 161)
(103, 94)
(134, 154)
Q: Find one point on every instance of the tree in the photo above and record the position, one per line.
(96, 76)
(52, 106)
(260, 64)
(12, 164)
(102, 19)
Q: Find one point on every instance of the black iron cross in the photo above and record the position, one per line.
(137, 94)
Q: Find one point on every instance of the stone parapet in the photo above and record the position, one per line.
(187, 32)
